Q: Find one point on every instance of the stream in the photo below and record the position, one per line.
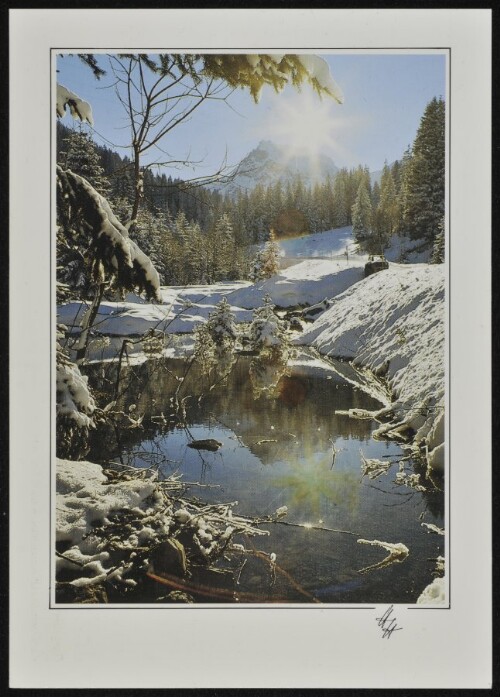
(290, 450)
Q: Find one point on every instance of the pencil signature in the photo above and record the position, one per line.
(388, 624)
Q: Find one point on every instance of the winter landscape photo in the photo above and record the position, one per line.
(249, 328)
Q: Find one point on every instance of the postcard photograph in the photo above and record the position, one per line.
(249, 288)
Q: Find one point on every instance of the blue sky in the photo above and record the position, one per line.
(384, 98)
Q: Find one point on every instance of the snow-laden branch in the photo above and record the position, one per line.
(75, 405)
(78, 108)
(113, 253)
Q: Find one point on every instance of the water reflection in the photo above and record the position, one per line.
(313, 487)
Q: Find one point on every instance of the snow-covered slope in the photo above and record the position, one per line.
(268, 163)
(305, 283)
(330, 244)
(333, 243)
(134, 319)
(393, 323)
(402, 249)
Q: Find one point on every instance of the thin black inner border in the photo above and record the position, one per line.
(447, 401)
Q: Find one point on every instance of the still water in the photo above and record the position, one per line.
(291, 450)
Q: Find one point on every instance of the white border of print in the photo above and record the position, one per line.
(300, 648)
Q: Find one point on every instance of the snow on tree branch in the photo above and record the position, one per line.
(320, 77)
(74, 400)
(112, 251)
(78, 108)
(75, 405)
(253, 71)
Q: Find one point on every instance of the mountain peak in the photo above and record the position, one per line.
(269, 147)
(268, 163)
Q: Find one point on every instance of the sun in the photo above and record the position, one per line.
(305, 125)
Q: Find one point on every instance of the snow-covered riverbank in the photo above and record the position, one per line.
(393, 323)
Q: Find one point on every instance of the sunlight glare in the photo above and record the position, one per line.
(305, 126)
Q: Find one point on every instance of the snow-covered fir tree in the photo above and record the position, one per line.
(269, 339)
(215, 341)
(266, 262)
(79, 154)
(75, 405)
(388, 204)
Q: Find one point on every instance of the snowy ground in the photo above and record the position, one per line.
(184, 308)
(332, 244)
(305, 283)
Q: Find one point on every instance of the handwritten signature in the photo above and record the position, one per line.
(388, 624)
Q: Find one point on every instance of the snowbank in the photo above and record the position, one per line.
(84, 499)
(433, 594)
(183, 309)
(306, 283)
(333, 244)
(134, 319)
(393, 323)
(115, 529)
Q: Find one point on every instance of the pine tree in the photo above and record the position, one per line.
(438, 251)
(426, 177)
(79, 154)
(215, 341)
(341, 214)
(269, 338)
(404, 190)
(223, 250)
(266, 262)
(388, 204)
(362, 215)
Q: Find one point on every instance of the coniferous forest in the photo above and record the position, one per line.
(180, 224)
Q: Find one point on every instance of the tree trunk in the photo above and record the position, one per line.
(137, 176)
(83, 341)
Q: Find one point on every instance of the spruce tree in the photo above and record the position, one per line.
(270, 341)
(438, 251)
(215, 341)
(362, 215)
(79, 154)
(266, 262)
(426, 178)
(388, 204)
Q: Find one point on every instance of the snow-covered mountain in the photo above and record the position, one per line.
(268, 163)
